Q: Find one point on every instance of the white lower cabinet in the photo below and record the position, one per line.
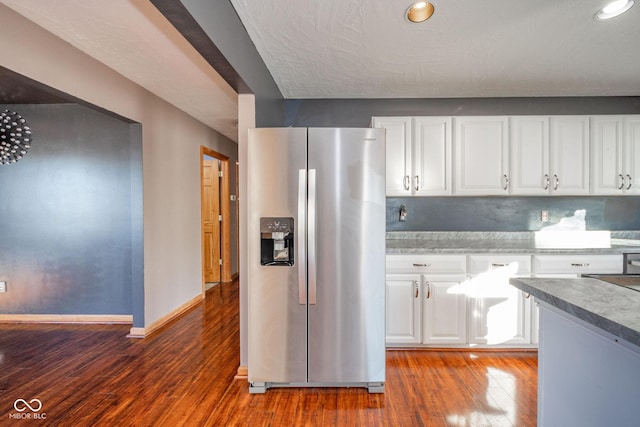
(444, 310)
(403, 309)
(498, 313)
(467, 301)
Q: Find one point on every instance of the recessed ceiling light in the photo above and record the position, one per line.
(613, 9)
(420, 11)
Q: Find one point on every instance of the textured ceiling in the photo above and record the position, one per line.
(469, 48)
(133, 38)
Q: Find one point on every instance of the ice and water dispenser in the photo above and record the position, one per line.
(276, 241)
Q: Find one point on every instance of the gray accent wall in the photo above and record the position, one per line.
(479, 213)
(358, 112)
(71, 216)
(506, 213)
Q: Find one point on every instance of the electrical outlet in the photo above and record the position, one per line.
(3, 286)
(544, 216)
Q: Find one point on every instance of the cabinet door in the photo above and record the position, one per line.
(398, 153)
(632, 154)
(607, 160)
(529, 147)
(499, 314)
(431, 156)
(403, 309)
(482, 155)
(569, 159)
(444, 311)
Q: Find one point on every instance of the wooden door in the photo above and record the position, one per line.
(211, 220)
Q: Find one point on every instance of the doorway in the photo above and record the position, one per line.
(215, 218)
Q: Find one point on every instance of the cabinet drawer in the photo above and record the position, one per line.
(577, 264)
(441, 264)
(483, 263)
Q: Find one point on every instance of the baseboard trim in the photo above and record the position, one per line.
(67, 318)
(136, 333)
(167, 318)
(242, 373)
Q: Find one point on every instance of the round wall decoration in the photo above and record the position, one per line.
(15, 137)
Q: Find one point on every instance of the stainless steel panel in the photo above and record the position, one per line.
(277, 331)
(346, 326)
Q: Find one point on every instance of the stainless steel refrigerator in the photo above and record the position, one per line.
(316, 258)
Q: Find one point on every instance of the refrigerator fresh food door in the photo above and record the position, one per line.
(277, 317)
(346, 249)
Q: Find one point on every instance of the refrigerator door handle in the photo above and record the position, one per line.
(311, 236)
(302, 253)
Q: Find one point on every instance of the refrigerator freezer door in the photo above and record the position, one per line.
(277, 332)
(347, 323)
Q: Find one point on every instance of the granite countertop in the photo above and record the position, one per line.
(498, 242)
(610, 307)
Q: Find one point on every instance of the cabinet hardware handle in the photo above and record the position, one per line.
(629, 185)
(621, 181)
(415, 283)
(579, 264)
(415, 264)
(556, 181)
(417, 180)
(498, 265)
(546, 181)
(506, 182)
(428, 290)
(406, 182)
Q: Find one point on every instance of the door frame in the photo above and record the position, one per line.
(225, 209)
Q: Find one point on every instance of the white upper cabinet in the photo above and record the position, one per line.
(615, 154)
(398, 153)
(529, 144)
(569, 155)
(481, 152)
(431, 156)
(632, 154)
(418, 155)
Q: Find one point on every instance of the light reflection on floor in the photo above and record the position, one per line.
(499, 406)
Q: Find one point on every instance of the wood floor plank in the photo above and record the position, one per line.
(183, 375)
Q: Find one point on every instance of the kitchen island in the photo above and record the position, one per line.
(589, 351)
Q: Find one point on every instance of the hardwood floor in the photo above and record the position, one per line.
(88, 375)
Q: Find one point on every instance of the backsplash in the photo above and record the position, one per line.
(510, 213)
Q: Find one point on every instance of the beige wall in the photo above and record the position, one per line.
(171, 149)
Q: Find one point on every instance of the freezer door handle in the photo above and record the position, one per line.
(311, 236)
(302, 254)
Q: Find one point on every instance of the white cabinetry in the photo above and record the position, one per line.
(575, 264)
(403, 309)
(569, 155)
(569, 266)
(420, 299)
(615, 154)
(529, 144)
(444, 313)
(549, 155)
(418, 155)
(499, 314)
(398, 153)
(481, 152)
